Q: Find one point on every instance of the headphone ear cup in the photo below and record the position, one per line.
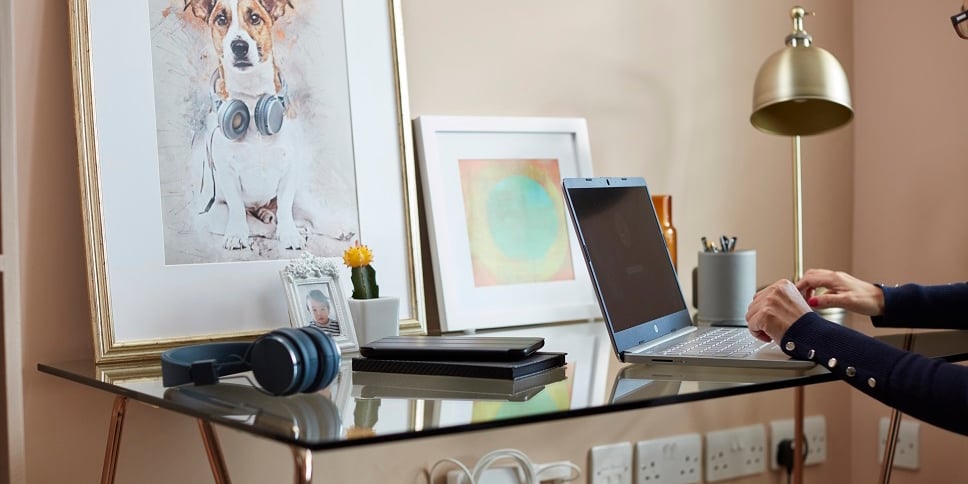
(328, 357)
(233, 118)
(269, 114)
(284, 361)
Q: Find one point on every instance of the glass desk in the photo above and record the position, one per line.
(366, 408)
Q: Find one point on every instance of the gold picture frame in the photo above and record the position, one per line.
(140, 305)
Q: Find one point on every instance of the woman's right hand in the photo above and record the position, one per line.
(842, 290)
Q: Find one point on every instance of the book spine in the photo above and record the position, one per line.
(430, 368)
(462, 369)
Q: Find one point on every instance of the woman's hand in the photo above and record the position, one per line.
(774, 309)
(842, 290)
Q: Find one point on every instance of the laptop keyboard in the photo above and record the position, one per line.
(719, 342)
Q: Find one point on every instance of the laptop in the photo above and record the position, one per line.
(637, 288)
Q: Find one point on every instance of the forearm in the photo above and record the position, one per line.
(916, 306)
(925, 388)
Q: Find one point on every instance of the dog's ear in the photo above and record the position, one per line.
(201, 8)
(276, 8)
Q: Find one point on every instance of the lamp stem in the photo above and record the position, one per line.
(798, 396)
(797, 211)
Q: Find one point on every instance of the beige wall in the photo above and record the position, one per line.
(665, 87)
(909, 195)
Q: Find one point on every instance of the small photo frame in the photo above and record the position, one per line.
(315, 298)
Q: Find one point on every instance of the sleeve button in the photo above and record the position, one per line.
(790, 346)
(851, 371)
(810, 354)
(832, 363)
(871, 382)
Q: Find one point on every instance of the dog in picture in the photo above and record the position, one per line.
(252, 157)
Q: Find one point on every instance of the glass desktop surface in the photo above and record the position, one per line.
(361, 409)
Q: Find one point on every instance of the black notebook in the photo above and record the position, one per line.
(369, 384)
(473, 369)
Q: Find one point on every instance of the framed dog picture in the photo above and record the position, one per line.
(315, 298)
(220, 139)
(503, 251)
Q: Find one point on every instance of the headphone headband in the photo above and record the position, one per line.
(204, 363)
(282, 95)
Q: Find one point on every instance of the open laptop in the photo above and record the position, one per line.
(639, 294)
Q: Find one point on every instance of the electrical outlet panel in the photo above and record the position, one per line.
(735, 452)
(815, 432)
(907, 453)
(611, 464)
(669, 460)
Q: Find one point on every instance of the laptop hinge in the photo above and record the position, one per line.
(656, 342)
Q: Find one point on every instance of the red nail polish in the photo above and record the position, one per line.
(813, 302)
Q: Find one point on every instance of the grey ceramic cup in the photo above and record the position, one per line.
(726, 285)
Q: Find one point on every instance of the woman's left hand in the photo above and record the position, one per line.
(774, 309)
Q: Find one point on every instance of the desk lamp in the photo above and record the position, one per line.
(800, 90)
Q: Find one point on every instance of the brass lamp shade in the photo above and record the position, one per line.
(800, 91)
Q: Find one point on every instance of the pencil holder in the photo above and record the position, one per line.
(726, 285)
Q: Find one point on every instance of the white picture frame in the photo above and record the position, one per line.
(474, 173)
(313, 291)
(142, 306)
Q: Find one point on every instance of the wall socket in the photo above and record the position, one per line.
(669, 460)
(611, 464)
(907, 453)
(814, 430)
(735, 452)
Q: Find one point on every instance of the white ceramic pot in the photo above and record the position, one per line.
(375, 318)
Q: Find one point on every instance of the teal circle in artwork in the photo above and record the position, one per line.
(522, 218)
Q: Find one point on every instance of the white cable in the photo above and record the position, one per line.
(524, 463)
(539, 469)
(528, 471)
(463, 468)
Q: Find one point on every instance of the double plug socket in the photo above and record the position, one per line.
(907, 454)
(735, 452)
(814, 431)
(669, 460)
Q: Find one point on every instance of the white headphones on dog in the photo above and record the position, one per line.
(233, 114)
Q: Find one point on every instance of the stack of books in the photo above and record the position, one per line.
(455, 367)
(507, 370)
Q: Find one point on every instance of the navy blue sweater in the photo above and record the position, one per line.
(925, 388)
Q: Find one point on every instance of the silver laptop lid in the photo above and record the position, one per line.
(627, 258)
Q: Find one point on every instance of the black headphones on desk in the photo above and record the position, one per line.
(284, 361)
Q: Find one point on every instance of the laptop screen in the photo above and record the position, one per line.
(627, 257)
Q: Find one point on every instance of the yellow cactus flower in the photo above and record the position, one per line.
(357, 256)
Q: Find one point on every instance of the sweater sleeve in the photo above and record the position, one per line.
(915, 306)
(929, 389)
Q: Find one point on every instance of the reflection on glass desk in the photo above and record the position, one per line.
(311, 416)
(364, 408)
(651, 383)
(432, 387)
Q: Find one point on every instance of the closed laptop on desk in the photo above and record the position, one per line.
(639, 294)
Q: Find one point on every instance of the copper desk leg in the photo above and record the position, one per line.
(114, 440)
(798, 439)
(892, 431)
(214, 451)
(304, 465)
